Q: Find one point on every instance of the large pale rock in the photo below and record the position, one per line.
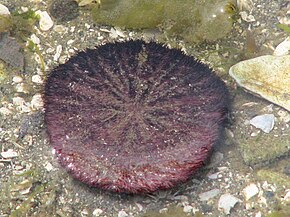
(268, 76)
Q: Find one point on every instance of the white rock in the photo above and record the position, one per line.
(17, 79)
(37, 79)
(283, 48)
(187, 209)
(264, 122)
(213, 175)
(45, 21)
(258, 214)
(48, 166)
(60, 29)
(266, 76)
(122, 213)
(4, 11)
(18, 101)
(250, 191)
(5, 111)
(37, 102)
(205, 196)
(21, 88)
(227, 202)
(35, 39)
(57, 53)
(9, 154)
(97, 212)
(246, 17)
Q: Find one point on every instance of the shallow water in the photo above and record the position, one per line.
(33, 183)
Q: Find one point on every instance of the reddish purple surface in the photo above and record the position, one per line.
(133, 117)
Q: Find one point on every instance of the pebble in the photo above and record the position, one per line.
(213, 175)
(122, 213)
(45, 21)
(187, 209)
(287, 195)
(57, 53)
(250, 191)
(21, 88)
(18, 101)
(264, 122)
(37, 102)
(227, 202)
(247, 17)
(48, 166)
(37, 79)
(17, 79)
(35, 39)
(283, 48)
(97, 212)
(266, 76)
(4, 11)
(205, 196)
(61, 29)
(9, 154)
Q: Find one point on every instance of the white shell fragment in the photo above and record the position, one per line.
(250, 191)
(227, 202)
(45, 22)
(4, 11)
(9, 154)
(283, 48)
(37, 79)
(268, 76)
(37, 102)
(264, 122)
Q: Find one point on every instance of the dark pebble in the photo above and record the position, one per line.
(64, 10)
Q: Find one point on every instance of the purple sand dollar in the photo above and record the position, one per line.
(132, 116)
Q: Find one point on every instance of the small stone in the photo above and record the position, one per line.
(205, 196)
(97, 212)
(266, 76)
(48, 166)
(287, 195)
(258, 214)
(61, 29)
(4, 11)
(45, 21)
(21, 88)
(17, 79)
(18, 101)
(187, 209)
(248, 18)
(37, 79)
(227, 202)
(64, 10)
(5, 111)
(37, 102)
(283, 48)
(250, 191)
(264, 122)
(57, 53)
(35, 39)
(213, 175)
(9, 154)
(122, 213)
